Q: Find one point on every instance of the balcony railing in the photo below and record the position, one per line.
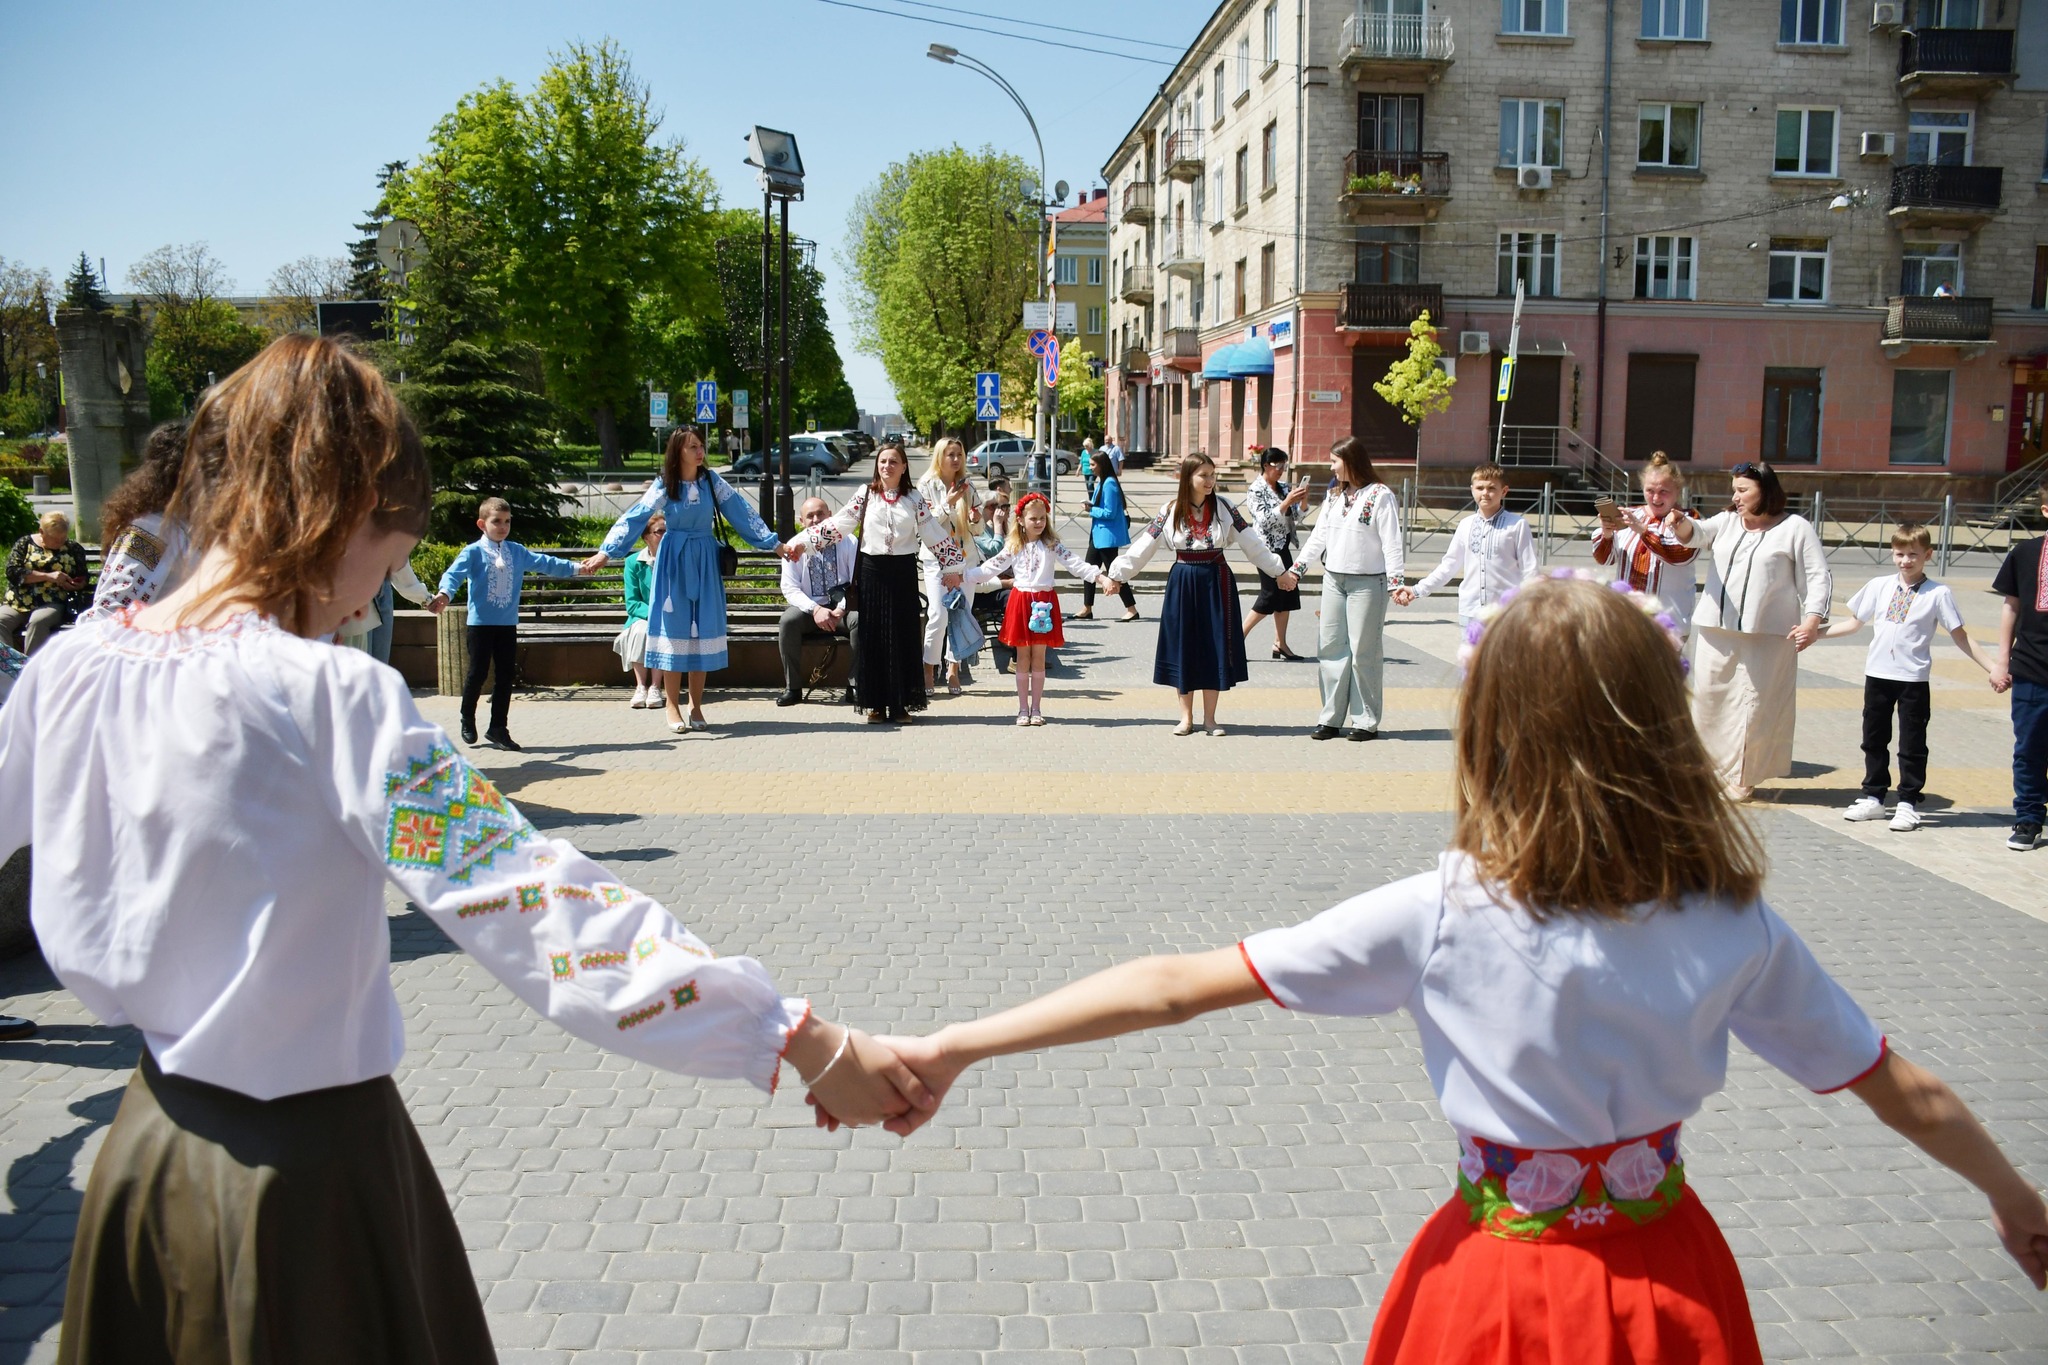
(1181, 254)
(1400, 183)
(1184, 154)
(1960, 321)
(1138, 201)
(1388, 305)
(1181, 347)
(1954, 60)
(1137, 360)
(1137, 285)
(1374, 40)
(1936, 193)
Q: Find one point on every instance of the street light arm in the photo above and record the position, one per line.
(972, 64)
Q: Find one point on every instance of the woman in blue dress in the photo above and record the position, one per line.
(686, 618)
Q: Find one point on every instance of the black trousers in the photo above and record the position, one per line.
(493, 650)
(1102, 557)
(797, 626)
(1913, 703)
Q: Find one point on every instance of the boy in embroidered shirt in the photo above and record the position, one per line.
(1904, 608)
(1492, 549)
(495, 567)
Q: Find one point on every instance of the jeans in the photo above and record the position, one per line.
(1914, 703)
(1350, 656)
(492, 649)
(2029, 752)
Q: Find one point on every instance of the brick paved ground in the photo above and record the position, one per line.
(1235, 1192)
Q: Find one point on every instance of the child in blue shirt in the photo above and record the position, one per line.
(495, 567)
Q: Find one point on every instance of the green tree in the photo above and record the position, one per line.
(193, 330)
(1081, 390)
(1416, 384)
(27, 338)
(82, 287)
(365, 275)
(941, 254)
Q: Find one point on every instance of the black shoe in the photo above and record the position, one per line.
(847, 698)
(469, 732)
(899, 715)
(2024, 836)
(503, 739)
(1325, 732)
(14, 1028)
(1360, 736)
(789, 698)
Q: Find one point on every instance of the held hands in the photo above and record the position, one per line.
(1803, 635)
(791, 549)
(1403, 596)
(2001, 678)
(855, 1080)
(952, 580)
(1288, 581)
(438, 603)
(592, 564)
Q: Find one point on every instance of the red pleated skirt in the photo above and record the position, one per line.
(1667, 1293)
(1017, 632)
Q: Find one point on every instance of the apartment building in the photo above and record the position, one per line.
(1081, 274)
(1806, 229)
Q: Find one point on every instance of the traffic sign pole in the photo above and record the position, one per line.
(1507, 375)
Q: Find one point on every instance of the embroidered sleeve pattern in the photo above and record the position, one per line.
(845, 522)
(944, 547)
(742, 515)
(1077, 566)
(632, 521)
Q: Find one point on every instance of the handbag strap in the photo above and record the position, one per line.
(719, 525)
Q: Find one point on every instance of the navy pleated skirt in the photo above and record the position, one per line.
(1201, 630)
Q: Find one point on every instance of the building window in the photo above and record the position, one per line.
(1217, 201)
(1094, 320)
(1668, 135)
(1938, 137)
(1066, 270)
(1932, 269)
(1390, 123)
(1198, 106)
(1531, 133)
(1799, 270)
(1222, 92)
(1530, 257)
(1811, 22)
(1095, 270)
(1806, 142)
(1268, 255)
(1244, 66)
(1920, 416)
(2039, 298)
(1199, 199)
(1196, 298)
(1665, 268)
(1532, 16)
(1388, 255)
(1244, 177)
(1219, 291)
(1791, 416)
(1677, 20)
(1269, 156)
(1240, 288)
(1272, 28)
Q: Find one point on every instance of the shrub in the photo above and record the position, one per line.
(431, 558)
(17, 515)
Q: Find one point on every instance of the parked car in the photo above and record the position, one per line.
(1007, 455)
(806, 453)
(858, 443)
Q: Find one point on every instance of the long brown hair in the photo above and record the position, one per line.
(903, 485)
(150, 487)
(1582, 787)
(286, 459)
(1353, 464)
(672, 460)
(1184, 496)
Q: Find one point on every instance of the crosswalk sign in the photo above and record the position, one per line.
(707, 401)
(1506, 387)
(988, 396)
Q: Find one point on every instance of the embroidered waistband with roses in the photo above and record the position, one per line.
(1529, 1195)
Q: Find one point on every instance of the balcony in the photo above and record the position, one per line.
(1138, 202)
(1137, 285)
(1944, 196)
(1924, 321)
(1181, 348)
(1184, 155)
(1384, 307)
(1377, 46)
(1137, 360)
(1183, 254)
(1402, 187)
(1948, 62)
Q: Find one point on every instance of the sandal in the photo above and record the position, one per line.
(1186, 727)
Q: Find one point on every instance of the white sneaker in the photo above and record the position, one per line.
(1905, 818)
(639, 699)
(1865, 808)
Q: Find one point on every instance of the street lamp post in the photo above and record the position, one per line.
(774, 154)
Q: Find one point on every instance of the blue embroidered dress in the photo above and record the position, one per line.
(686, 618)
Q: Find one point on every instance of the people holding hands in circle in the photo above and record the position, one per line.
(1031, 618)
(1357, 540)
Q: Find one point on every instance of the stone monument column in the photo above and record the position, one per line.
(106, 394)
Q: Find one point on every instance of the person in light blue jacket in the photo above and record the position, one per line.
(686, 617)
(1109, 530)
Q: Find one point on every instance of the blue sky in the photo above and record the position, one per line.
(258, 128)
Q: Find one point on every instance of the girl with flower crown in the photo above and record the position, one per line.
(1031, 622)
(1574, 1003)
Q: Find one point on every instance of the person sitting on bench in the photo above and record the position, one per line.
(816, 587)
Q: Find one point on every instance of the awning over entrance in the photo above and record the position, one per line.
(1218, 364)
(1248, 358)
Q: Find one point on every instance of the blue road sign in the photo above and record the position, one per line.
(707, 400)
(657, 409)
(1049, 364)
(1038, 343)
(988, 396)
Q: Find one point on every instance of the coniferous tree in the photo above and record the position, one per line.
(366, 276)
(82, 287)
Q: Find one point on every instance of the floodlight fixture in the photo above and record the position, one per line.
(939, 52)
(774, 154)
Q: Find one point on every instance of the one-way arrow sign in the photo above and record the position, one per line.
(988, 396)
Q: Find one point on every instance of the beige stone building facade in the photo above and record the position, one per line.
(1811, 230)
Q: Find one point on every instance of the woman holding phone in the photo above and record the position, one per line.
(1651, 547)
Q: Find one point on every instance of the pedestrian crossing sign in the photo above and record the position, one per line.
(707, 400)
(988, 396)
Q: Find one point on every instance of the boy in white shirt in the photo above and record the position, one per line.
(1904, 608)
(1492, 548)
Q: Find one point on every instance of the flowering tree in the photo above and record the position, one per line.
(1417, 385)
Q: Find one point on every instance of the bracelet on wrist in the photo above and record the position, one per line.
(845, 1037)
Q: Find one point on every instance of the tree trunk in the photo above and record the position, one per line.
(607, 434)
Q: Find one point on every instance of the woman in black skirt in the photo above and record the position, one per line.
(891, 520)
(1201, 629)
(1273, 510)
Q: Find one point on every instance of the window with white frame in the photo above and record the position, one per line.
(1532, 132)
(1532, 17)
(1095, 320)
(1668, 135)
(1799, 270)
(1675, 20)
(1243, 165)
(1095, 270)
(1272, 31)
(1217, 200)
(1222, 92)
(1938, 137)
(1814, 23)
(1806, 142)
(1931, 269)
(1530, 257)
(1244, 64)
(1665, 268)
(1066, 270)
(1198, 106)
(1198, 193)
(1269, 156)
(1196, 299)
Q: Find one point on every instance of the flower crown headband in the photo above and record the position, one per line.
(1475, 629)
(1031, 497)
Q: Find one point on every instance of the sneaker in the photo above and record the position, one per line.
(2024, 836)
(468, 732)
(14, 1028)
(639, 702)
(790, 698)
(1866, 808)
(1905, 818)
(503, 739)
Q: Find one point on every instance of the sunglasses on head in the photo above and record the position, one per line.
(1748, 470)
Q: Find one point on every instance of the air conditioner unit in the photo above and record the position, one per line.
(1887, 14)
(1879, 145)
(1474, 343)
(1532, 178)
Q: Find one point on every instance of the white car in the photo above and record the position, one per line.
(1007, 455)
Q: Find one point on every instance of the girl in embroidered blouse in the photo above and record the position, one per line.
(1031, 622)
(945, 490)
(261, 1181)
(1574, 1004)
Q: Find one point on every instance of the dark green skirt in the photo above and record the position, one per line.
(221, 1230)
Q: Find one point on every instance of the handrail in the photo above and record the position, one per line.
(2018, 487)
(1596, 468)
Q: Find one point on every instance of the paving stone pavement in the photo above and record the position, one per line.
(1233, 1192)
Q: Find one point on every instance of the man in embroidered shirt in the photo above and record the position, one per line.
(815, 587)
(2023, 669)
